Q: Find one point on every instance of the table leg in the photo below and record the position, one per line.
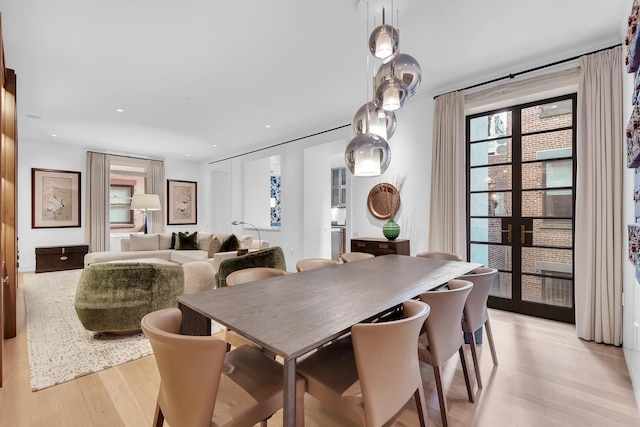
(289, 393)
(194, 323)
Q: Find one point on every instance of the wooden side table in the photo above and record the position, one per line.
(379, 247)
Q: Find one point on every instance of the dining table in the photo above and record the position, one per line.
(293, 314)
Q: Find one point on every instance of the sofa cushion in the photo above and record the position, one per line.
(144, 242)
(204, 240)
(164, 240)
(180, 257)
(244, 241)
(231, 244)
(187, 241)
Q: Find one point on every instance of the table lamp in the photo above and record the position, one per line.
(145, 203)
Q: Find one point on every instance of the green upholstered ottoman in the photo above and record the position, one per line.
(270, 257)
(114, 297)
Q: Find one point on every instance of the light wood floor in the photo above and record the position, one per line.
(546, 377)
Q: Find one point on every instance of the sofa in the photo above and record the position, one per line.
(203, 246)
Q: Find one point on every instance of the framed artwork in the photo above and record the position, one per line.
(182, 202)
(55, 198)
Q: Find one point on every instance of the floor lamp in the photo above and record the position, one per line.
(251, 225)
(145, 203)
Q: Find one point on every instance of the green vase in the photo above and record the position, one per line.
(391, 230)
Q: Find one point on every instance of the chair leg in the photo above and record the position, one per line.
(490, 338)
(300, 411)
(474, 356)
(441, 398)
(421, 406)
(465, 371)
(158, 418)
(263, 423)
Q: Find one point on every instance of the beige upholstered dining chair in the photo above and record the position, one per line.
(355, 256)
(443, 335)
(439, 255)
(370, 376)
(201, 385)
(247, 275)
(313, 263)
(476, 315)
(252, 274)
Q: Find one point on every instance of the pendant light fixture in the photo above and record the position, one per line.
(397, 79)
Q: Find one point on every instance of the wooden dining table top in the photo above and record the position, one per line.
(293, 314)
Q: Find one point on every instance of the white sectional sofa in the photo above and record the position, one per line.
(158, 246)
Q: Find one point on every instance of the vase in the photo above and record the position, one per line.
(391, 230)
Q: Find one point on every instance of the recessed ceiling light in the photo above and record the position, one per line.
(268, 126)
(213, 145)
(54, 135)
(119, 110)
(187, 155)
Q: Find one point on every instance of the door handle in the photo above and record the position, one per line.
(523, 233)
(509, 233)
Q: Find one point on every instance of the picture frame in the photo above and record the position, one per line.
(55, 198)
(182, 202)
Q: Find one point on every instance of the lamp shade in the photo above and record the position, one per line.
(367, 155)
(404, 67)
(383, 41)
(391, 94)
(372, 119)
(145, 202)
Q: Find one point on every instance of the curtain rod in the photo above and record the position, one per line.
(279, 144)
(511, 76)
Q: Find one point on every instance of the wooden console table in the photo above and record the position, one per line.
(379, 247)
(56, 258)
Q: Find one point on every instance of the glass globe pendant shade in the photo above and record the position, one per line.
(372, 119)
(391, 94)
(383, 41)
(406, 68)
(367, 155)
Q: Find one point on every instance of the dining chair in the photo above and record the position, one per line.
(313, 263)
(238, 277)
(202, 385)
(370, 376)
(443, 336)
(439, 255)
(475, 313)
(355, 256)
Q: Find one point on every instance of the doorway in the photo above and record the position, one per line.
(520, 204)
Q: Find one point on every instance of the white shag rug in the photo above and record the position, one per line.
(59, 347)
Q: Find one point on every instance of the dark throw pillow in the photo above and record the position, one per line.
(173, 241)
(187, 242)
(231, 244)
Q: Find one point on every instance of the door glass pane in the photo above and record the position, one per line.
(486, 230)
(549, 203)
(553, 174)
(547, 290)
(502, 287)
(492, 178)
(493, 256)
(547, 261)
(547, 116)
(490, 152)
(549, 145)
(491, 204)
(490, 126)
(553, 232)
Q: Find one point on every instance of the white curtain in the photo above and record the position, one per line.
(96, 214)
(155, 185)
(447, 210)
(599, 224)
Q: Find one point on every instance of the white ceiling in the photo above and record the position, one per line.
(193, 73)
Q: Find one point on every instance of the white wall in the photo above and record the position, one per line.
(630, 286)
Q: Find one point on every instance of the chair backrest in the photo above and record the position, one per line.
(270, 257)
(190, 368)
(387, 361)
(313, 263)
(439, 255)
(252, 274)
(355, 256)
(475, 309)
(444, 330)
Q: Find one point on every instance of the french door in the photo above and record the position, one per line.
(520, 204)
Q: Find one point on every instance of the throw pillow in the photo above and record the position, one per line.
(215, 245)
(245, 241)
(204, 240)
(231, 244)
(187, 242)
(143, 242)
(173, 241)
(165, 241)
